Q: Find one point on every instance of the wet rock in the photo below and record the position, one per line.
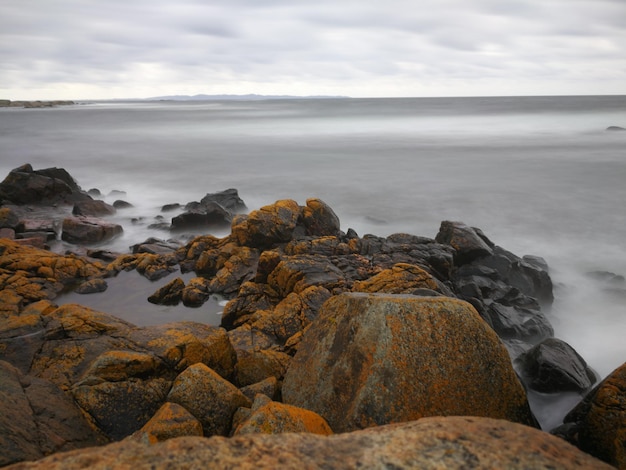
(513, 322)
(553, 366)
(156, 246)
(236, 266)
(211, 215)
(209, 397)
(121, 204)
(85, 230)
(270, 417)
(229, 199)
(251, 298)
(92, 286)
(615, 128)
(93, 208)
(49, 186)
(196, 292)
(441, 442)
(597, 425)
(372, 359)
(468, 244)
(170, 294)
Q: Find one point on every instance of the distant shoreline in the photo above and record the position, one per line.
(34, 104)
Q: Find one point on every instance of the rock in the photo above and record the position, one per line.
(84, 230)
(170, 207)
(37, 419)
(182, 344)
(93, 208)
(268, 225)
(170, 421)
(119, 408)
(229, 199)
(196, 292)
(209, 397)
(292, 315)
(598, 423)
(92, 286)
(9, 218)
(319, 219)
(255, 366)
(156, 246)
(615, 128)
(373, 359)
(24, 185)
(468, 244)
(238, 265)
(553, 366)
(441, 442)
(120, 204)
(270, 417)
(210, 215)
(170, 294)
(268, 387)
(297, 273)
(513, 322)
(400, 279)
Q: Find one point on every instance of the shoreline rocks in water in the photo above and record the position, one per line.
(34, 104)
(338, 332)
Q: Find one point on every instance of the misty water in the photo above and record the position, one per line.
(539, 176)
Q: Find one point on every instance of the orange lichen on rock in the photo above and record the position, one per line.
(372, 359)
(270, 417)
(172, 420)
(402, 278)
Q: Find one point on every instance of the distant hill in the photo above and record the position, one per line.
(248, 97)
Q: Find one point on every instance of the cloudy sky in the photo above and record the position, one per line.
(101, 49)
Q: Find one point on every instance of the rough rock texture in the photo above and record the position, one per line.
(598, 424)
(84, 229)
(37, 419)
(467, 242)
(554, 366)
(270, 224)
(93, 208)
(170, 421)
(372, 359)
(319, 219)
(209, 397)
(270, 417)
(402, 278)
(430, 443)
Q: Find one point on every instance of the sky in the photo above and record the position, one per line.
(109, 49)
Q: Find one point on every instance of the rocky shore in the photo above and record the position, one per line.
(335, 350)
(34, 104)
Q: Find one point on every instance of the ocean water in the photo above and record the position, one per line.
(539, 175)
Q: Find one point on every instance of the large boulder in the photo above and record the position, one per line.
(229, 199)
(597, 425)
(430, 443)
(93, 208)
(373, 359)
(24, 185)
(85, 229)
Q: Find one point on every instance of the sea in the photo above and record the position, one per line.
(539, 175)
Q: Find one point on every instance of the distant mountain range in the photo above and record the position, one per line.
(248, 97)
